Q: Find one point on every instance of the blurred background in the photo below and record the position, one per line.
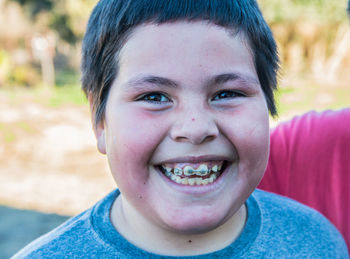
(49, 165)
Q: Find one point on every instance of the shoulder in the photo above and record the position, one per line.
(290, 213)
(296, 228)
(326, 122)
(69, 239)
(272, 205)
(302, 149)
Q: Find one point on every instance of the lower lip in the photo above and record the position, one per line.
(196, 189)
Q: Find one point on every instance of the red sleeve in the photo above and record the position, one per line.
(310, 162)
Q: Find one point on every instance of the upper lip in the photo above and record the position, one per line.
(196, 159)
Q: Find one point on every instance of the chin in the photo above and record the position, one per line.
(198, 222)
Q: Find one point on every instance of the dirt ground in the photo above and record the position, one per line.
(48, 160)
(19, 227)
(48, 163)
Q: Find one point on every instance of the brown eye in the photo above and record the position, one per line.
(154, 98)
(226, 94)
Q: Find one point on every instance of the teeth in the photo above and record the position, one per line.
(202, 170)
(178, 180)
(177, 171)
(212, 178)
(177, 174)
(191, 181)
(167, 171)
(188, 170)
(173, 177)
(219, 167)
(167, 168)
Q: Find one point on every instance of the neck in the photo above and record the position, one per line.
(151, 237)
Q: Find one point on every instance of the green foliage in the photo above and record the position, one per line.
(24, 75)
(59, 19)
(67, 77)
(34, 7)
(62, 25)
(5, 66)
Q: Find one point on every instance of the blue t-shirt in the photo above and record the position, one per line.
(276, 227)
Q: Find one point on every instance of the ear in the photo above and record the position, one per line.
(99, 128)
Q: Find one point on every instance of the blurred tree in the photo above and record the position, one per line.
(34, 7)
(320, 11)
(58, 19)
(311, 35)
(57, 23)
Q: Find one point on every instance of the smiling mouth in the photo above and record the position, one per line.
(193, 174)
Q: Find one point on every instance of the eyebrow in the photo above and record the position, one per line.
(153, 80)
(224, 78)
(215, 81)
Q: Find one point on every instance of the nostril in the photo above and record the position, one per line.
(181, 139)
(209, 138)
(195, 139)
(195, 130)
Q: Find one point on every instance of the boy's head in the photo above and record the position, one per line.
(113, 21)
(181, 91)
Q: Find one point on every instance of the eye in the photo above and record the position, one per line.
(227, 94)
(154, 98)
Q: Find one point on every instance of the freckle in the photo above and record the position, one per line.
(140, 196)
(189, 241)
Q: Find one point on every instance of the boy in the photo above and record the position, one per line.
(180, 93)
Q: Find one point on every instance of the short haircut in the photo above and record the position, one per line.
(112, 21)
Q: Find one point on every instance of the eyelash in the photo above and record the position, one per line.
(150, 97)
(231, 94)
(160, 98)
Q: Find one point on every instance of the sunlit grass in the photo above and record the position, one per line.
(25, 126)
(51, 97)
(296, 100)
(67, 95)
(7, 134)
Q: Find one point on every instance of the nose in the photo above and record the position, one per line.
(194, 126)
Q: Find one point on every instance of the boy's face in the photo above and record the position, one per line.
(187, 101)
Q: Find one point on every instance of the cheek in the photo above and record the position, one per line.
(255, 151)
(132, 132)
(249, 134)
(141, 133)
(132, 137)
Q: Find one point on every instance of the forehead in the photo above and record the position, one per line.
(180, 29)
(184, 48)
